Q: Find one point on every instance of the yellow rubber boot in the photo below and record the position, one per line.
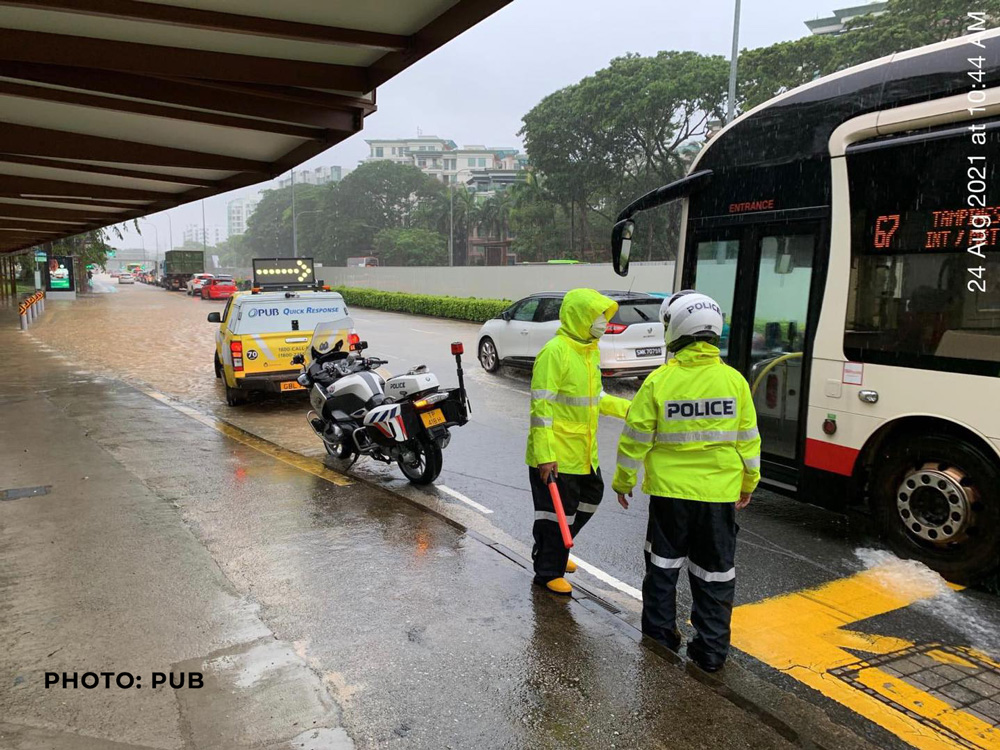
(559, 586)
(570, 566)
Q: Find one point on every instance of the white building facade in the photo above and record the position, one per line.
(317, 176)
(445, 161)
(212, 234)
(238, 212)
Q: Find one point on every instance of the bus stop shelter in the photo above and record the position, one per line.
(114, 109)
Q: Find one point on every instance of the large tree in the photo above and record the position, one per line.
(377, 195)
(618, 133)
(905, 24)
(411, 247)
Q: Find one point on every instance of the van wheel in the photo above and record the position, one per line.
(218, 366)
(937, 500)
(427, 464)
(235, 397)
(488, 356)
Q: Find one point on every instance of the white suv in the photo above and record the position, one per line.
(632, 346)
(195, 282)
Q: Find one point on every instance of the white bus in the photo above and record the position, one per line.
(849, 229)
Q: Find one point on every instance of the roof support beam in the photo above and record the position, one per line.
(36, 161)
(155, 110)
(327, 111)
(151, 59)
(108, 218)
(29, 141)
(33, 226)
(18, 186)
(194, 18)
(46, 213)
(463, 15)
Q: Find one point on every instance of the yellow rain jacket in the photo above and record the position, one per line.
(566, 391)
(693, 427)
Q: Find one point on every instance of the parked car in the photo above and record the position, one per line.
(632, 346)
(221, 287)
(195, 282)
(125, 278)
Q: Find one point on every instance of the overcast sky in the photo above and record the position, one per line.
(477, 87)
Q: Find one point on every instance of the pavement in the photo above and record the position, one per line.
(316, 610)
(837, 642)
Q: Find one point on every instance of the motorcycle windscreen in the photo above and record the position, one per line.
(330, 335)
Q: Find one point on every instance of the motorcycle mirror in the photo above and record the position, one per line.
(361, 346)
(298, 359)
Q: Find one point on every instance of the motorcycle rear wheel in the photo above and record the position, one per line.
(428, 464)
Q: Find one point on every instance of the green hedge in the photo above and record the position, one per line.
(459, 308)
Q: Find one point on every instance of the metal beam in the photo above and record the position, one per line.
(38, 161)
(46, 213)
(327, 111)
(33, 226)
(459, 18)
(18, 186)
(109, 218)
(151, 59)
(155, 110)
(22, 139)
(217, 21)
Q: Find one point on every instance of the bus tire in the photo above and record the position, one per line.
(937, 500)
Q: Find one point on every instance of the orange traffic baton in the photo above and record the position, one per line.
(560, 513)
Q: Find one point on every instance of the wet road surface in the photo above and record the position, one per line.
(788, 551)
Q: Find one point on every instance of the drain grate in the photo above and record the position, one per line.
(963, 679)
(19, 492)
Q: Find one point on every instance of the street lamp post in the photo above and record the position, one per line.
(156, 257)
(731, 109)
(171, 225)
(295, 239)
(451, 225)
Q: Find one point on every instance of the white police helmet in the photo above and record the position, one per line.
(688, 317)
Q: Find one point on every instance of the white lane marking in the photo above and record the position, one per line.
(608, 578)
(421, 330)
(459, 496)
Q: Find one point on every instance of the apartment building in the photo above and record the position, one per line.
(443, 160)
(238, 212)
(212, 234)
(316, 176)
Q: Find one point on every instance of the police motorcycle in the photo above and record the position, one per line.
(356, 411)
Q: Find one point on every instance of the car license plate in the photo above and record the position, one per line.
(649, 351)
(291, 385)
(432, 418)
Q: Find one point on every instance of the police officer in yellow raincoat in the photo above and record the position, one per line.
(566, 400)
(693, 428)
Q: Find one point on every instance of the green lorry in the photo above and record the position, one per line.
(179, 266)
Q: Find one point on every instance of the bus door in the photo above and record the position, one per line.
(762, 277)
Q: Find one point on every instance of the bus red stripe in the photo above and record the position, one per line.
(831, 457)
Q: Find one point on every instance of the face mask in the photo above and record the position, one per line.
(599, 326)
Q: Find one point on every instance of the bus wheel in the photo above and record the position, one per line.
(938, 501)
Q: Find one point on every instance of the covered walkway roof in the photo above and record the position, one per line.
(113, 109)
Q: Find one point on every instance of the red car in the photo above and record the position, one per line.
(221, 287)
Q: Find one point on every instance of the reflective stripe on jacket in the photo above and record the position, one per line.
(693, 428)
(566, 391)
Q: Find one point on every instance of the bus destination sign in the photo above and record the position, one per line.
(943, 230)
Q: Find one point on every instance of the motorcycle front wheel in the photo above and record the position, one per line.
(427, 464)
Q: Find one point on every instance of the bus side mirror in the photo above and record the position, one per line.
(621, 245)
(214, 317)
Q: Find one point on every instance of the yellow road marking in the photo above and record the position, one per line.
(308, 465)
(804, 634)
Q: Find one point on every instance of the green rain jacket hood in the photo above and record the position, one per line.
(579, 309)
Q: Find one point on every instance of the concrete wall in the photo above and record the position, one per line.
(501, 282)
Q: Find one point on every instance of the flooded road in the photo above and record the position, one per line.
(790, 555)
